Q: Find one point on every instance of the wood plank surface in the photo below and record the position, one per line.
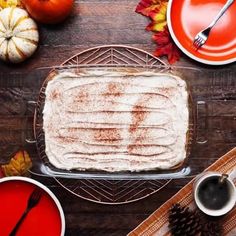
(94, 23)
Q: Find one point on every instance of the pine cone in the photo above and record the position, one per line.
(184, 222)
(211, 227)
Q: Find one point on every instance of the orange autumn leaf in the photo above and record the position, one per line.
(158, 17)
(18, 165)
(166, 46)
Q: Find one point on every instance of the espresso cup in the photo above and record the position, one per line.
(214, 193)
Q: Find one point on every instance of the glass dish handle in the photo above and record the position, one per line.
(201, 122)
(30, 140)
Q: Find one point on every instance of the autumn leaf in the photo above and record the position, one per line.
(9, 3)
(153, 26)
(18, 165)
(166, 46)
(156, 10)
(146, 7)
(158, 17)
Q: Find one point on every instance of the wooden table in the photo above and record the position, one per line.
(95, 23)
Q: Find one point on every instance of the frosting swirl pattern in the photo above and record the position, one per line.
(115, 121)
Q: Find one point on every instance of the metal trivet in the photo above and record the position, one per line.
(97, 190)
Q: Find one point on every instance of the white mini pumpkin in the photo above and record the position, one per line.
(18, 35)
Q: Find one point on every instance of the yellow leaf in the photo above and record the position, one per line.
(9, 3)
(159, 18)
(153, 26)
(160, 13)
(18, 165)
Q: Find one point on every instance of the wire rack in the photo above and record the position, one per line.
(103, 190)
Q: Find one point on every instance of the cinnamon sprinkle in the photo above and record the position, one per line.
(82, 96)
(139, 114)
(81, 99)
(55, 94)
(114, 89)
(112, 135)
(109, 136)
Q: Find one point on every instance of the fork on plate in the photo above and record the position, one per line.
(33, 200)
(203, 35)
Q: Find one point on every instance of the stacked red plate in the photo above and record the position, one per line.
(188, 17)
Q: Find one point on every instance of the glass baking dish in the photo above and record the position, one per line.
(197, 108)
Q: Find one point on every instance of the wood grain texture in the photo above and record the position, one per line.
(94, 23)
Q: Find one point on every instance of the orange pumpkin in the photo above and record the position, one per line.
(48, 11)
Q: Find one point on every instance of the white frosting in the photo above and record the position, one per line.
(116, 121)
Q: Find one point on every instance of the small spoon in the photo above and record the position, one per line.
(223, 178)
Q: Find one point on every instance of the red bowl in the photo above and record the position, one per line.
(46, 218)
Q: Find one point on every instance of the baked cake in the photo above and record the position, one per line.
(115, 121)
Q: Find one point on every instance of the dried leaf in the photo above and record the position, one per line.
(166, 46)
(18, 165)
(146, 7)
(156, 11)
(9, 3)
(153, 26)
(158, 17)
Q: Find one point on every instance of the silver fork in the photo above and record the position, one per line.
(32, 202)
(203, 35)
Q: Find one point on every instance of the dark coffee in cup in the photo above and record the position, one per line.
(214, 194)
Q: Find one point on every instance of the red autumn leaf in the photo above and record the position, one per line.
(162, 37)
(145, 7)
(156, 11)
(166, 46)
(170, 51)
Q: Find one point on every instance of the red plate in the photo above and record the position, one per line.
(45, 219)
(187, 17)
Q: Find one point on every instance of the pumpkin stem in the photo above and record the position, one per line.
(8, 34)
